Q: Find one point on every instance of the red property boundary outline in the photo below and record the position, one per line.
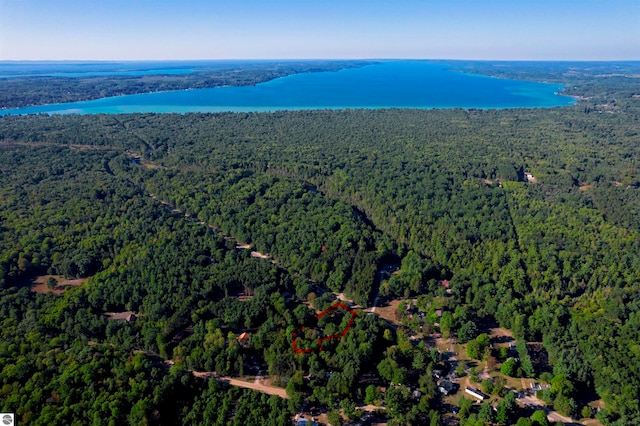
(322, 339)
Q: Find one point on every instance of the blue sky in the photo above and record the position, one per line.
(260, 29)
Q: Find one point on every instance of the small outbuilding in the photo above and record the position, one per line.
(243, 339)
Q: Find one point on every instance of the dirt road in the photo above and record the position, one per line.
(259, 386)
(536, 404)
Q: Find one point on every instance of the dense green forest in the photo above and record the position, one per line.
(39, 90)
(531, 216)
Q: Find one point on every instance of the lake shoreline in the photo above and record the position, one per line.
(398, 85)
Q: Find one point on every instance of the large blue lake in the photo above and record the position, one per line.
(404, 84)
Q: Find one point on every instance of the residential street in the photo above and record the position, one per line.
(553, 416)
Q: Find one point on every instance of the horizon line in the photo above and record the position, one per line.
(313, 59)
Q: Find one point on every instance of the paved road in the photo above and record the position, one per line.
(372, 309)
